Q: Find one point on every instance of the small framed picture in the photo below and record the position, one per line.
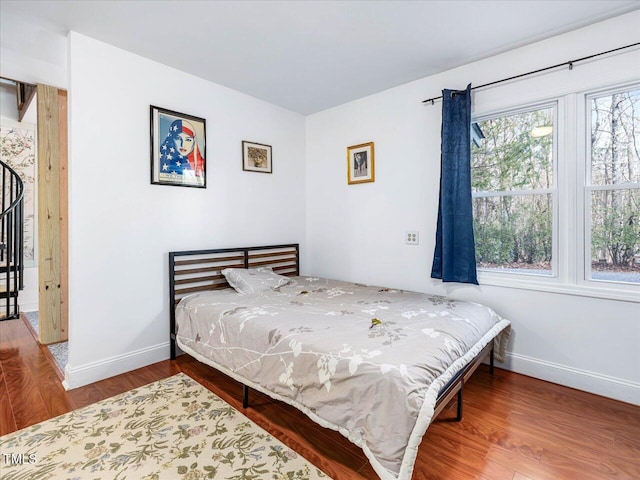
(178, 149)
(360, 163)
(256, 157)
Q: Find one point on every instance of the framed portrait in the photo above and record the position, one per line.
(256, 157)
(360, 163)
(178, 149)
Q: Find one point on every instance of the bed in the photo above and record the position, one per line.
(376, 364)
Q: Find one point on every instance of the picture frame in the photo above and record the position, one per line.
(256, 157)
(178, 149)
(361, 163)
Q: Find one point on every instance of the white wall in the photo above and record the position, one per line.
(356, 232)
(121, 227)
(32, 52)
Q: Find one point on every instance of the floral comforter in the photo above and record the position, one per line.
(365, 361)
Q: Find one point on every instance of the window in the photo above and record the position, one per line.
(612, 187)
(568, 222)
(514, 197)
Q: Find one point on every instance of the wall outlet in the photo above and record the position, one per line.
(412, 238)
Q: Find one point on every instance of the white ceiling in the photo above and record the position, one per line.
(308, 56)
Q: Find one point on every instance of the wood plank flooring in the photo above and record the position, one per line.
(514, 427)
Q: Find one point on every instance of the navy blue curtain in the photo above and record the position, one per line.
(454, 259)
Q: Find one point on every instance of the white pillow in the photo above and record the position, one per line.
(253, 280)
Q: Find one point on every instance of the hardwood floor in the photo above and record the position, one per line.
(514, 427)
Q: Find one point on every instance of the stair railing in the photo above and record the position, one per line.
(11, 242)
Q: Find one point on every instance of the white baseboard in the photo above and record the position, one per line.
(85, 374)
(606, 386)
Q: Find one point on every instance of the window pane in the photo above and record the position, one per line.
(513, 233)
(513, 152)
(615, 235)
(615, 138)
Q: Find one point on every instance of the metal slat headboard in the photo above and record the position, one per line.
(194, 271)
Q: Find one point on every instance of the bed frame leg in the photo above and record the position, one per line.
(459, 413)
(491, 359)
(245, 396)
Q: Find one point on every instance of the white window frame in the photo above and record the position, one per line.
(571, 248)
(492, 276)
(621, 289)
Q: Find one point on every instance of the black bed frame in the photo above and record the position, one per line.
(192, 271)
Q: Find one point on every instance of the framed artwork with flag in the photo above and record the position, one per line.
(178, 149)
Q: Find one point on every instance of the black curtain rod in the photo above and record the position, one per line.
(569, 63)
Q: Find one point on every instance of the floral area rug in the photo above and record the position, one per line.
(171, 429)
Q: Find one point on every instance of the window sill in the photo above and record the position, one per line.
(541, 283)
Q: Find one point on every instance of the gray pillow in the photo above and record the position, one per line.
(254, 280)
